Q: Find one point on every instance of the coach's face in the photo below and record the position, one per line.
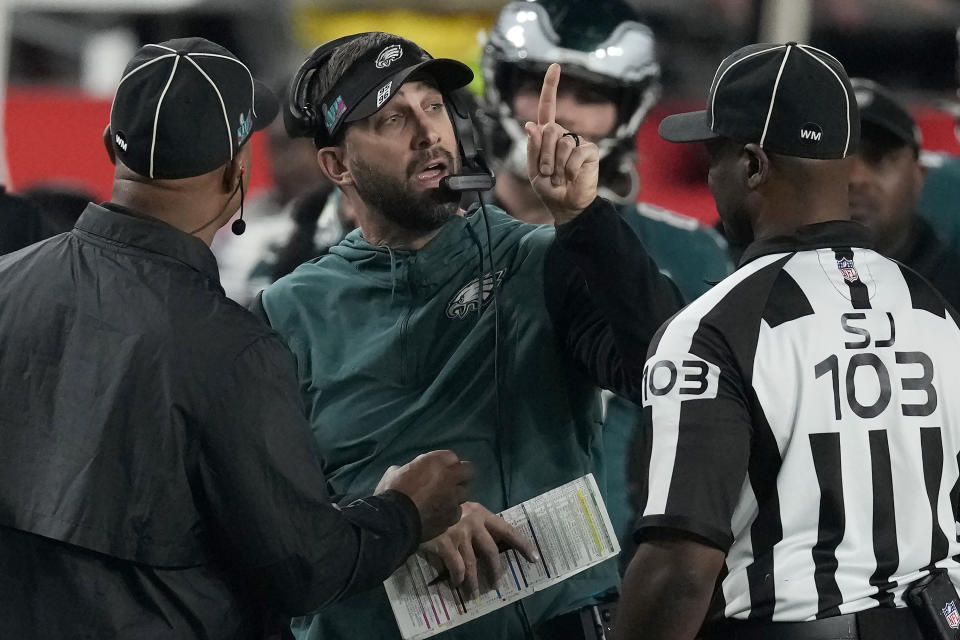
(727, 181)
(398, 156)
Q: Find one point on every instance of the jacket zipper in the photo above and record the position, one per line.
(403, 344)
(409, 278)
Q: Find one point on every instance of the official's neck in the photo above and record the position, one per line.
(184, 204)
(801, 192)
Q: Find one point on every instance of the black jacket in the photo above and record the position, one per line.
(157, 477)
(930, 257)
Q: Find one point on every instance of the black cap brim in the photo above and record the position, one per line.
(266, 106)
(448, 74)
(907, 137)
(686, 127)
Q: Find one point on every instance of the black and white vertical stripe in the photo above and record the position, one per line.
(804, 420)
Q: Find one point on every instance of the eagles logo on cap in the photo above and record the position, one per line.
(388, 55)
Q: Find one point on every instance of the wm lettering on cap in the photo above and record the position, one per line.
(811, 132)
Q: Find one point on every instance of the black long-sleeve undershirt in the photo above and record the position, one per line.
(606, 298)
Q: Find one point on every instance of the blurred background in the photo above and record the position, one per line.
(60, 61)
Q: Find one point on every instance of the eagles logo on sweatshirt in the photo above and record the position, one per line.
(470, 298)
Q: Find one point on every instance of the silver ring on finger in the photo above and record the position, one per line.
(576, 138)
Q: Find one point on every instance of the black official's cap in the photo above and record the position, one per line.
(367, 84)
(790, 98)
(880, 108)
(185, 107)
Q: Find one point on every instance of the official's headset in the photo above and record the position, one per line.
(367, 85)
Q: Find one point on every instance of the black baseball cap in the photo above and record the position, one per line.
(369, 82)
(792, 99)
(879, 107)
(185, 107)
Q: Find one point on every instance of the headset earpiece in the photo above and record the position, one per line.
(302, 117)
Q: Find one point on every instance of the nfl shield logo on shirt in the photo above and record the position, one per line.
(951, 614)
(848, 270)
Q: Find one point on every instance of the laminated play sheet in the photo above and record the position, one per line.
(571, 531)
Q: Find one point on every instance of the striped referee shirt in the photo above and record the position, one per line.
(805, 420)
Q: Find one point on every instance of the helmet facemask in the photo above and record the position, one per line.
(621, 65)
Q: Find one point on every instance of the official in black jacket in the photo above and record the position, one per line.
(157, 477)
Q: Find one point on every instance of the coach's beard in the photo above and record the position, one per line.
(397, 201)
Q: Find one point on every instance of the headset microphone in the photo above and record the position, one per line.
(239, 226)
(475, 173)
(468, 182)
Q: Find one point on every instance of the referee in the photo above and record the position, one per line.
(802, 465)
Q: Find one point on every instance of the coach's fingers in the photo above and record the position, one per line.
(584, 154)
(471, 579)
(508, 537)
(488, 559)
(533, 149)
(447, 552)
(565, 147)
(547, 107)
(550, 136)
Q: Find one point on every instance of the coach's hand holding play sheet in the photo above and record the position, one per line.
(568, 530)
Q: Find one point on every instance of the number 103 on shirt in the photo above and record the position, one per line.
(860, 365)
(690, 377)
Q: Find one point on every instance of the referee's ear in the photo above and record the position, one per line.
(758, 165)
(108, 144)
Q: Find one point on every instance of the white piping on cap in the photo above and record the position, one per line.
(223, 107)
(145, 64)
(713, 97)
(156, 116)
(773, 96)
(846, 95)
(252, 89)
(160, 46)
(821, 52)
(133, 71)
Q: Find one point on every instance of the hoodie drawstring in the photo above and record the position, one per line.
(479, 246)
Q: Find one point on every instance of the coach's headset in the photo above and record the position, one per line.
(303, 118)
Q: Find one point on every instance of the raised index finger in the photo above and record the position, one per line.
(547, 111)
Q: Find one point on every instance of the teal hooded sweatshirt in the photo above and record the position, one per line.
(401, 352)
